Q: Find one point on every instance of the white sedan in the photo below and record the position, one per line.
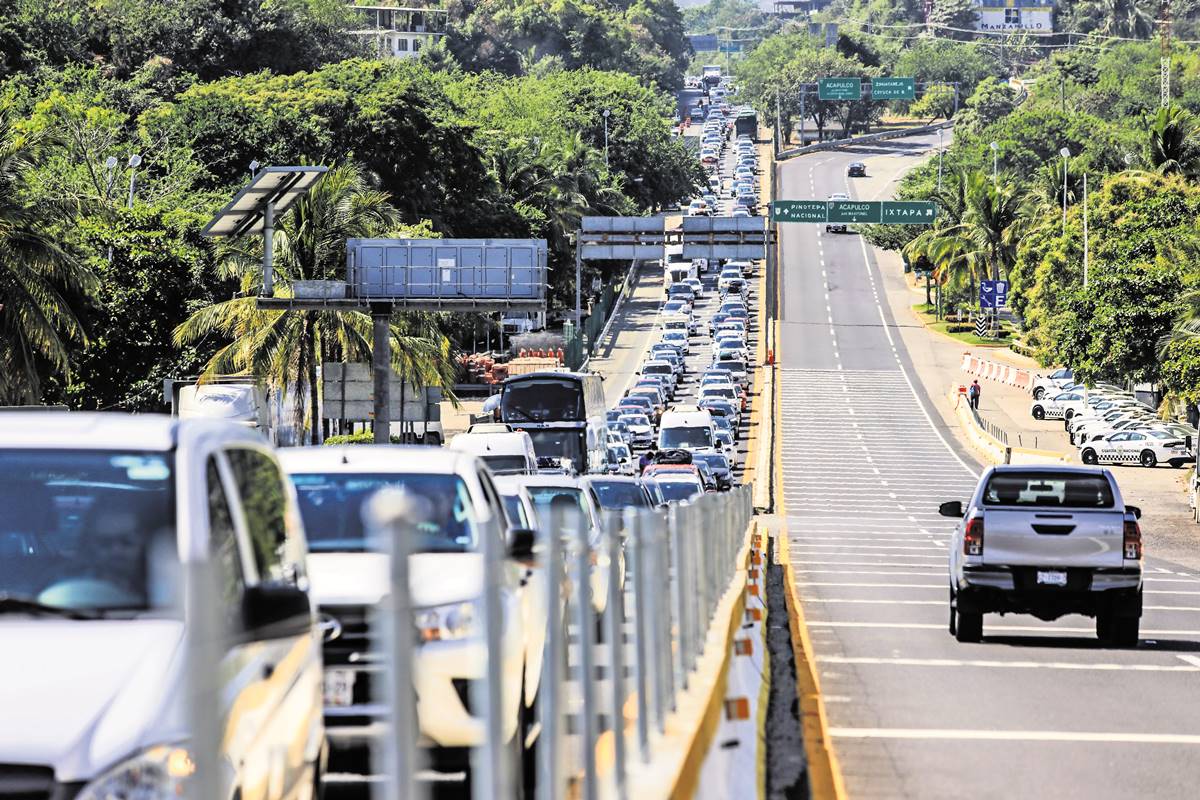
(1061, 406)
(1147, 448)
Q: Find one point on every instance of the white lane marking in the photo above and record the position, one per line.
(861, 601)
(1115, 737)
(1193, 660)
(938, 567)
(939, 586)
(992, 630)
(1161, 608)
(996, 664)
(925, 546)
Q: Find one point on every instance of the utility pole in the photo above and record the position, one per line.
(941, 155)
(1066, 154)
(1085, 232)
(1164, 40)
(802, 93)
(381, 370)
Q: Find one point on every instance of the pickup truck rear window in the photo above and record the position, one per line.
(1048, 490)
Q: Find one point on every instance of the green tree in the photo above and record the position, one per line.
(285, 348)
(991, 101)
(1173, 142)
(42, 281)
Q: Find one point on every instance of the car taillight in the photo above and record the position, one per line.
(973, 537)
(1133, 540)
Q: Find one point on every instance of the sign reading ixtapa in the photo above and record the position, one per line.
(888, 212)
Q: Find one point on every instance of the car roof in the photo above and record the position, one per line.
(563, 481)
(382, 458)
(613, 479)
(84, 430)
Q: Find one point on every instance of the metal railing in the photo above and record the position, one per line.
(992, 429)
(617, 674)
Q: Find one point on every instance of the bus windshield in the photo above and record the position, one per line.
(542, 400)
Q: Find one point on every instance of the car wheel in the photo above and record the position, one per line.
(969, 626)
(1038, 393)
(1104, 625)
(1039, 412)
(1125, 631)
(1089, 456)
(1148, 458)
(953, 615)
(1177, 463)
(1067, 416)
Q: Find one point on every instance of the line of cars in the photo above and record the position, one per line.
(732, 168)
(1109, 425)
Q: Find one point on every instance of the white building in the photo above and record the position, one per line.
(1015, 15)
(401, 32)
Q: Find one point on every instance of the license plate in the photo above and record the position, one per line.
(339, 687)
(1052, 578)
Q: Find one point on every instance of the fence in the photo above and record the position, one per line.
(994, 430)
(677, 566)
(577, 349)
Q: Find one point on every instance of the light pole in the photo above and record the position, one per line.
(135, 161)
(1085, 232)
(254, 165)
(1066, 154)
(604, 114)
(110, 167)
(941, 155)
(995, 163)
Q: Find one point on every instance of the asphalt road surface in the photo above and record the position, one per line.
(1037, 709)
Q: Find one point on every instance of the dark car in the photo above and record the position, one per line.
(721, 470)
(856, 169)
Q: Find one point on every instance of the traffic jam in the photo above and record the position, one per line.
(456, 617)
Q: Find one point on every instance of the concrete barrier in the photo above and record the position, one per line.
(991, 449)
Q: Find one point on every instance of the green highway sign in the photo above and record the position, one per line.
(798, 210)
(917, 212)
(839, 89)
(853, 211)
(893, 89)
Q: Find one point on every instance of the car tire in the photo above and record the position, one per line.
(1039, 412)
(1070, 412)
(1148, 459)
(1089, 457)
(1177, 463)
(969, 627)
(1038, 393)
(953, 614)
(1125, 631)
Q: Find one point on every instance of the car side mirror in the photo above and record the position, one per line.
(1137, 512)
(280, 608)
(952, 508)
(521, 543)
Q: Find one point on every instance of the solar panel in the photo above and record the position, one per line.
(281, 185)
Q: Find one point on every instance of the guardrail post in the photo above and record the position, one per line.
(637, 553)
(549, 748)
(677, 596)
(203, 648)
(691, 618)
(587, 669)
(667, 639)
(389, 519)
(616, 641)
(489, 773)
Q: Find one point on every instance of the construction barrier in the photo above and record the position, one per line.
(995, 371)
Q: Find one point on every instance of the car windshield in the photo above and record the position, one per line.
(620, 494)
(542, 400)
(699, 436)
(560, 443)
(1048, 489)
(87, 529)
(716, 461)
(546, 498)
(679, 491)
(635, 419)
(514, 510)
(506, 465)
(331, 507)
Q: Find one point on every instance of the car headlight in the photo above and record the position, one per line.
(444, 623)
(159, 772)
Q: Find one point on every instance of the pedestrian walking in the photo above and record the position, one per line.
(973, 394)
(646, 460)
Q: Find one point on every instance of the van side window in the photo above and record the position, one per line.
(260, 486)
(223, 543)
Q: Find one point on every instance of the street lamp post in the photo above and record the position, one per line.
(995, 163)
(1066, 154)
(1085, 232)
(941, 155)
(135, 161)
(605, 115)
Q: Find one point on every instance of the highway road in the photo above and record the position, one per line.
(1035, 710)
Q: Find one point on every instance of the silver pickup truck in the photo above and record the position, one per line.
(1046, 541)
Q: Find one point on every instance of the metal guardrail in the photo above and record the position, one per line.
(678, 564)
(993, 430)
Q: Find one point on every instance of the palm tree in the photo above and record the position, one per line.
(1046, 193)
(38, 275)
(284, 348)
(1173, 145)
(1128, 18)
(982, 243)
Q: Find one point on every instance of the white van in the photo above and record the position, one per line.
(105, 518)
(505, 453)
(687, 428)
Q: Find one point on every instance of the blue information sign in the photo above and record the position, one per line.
(993, 294)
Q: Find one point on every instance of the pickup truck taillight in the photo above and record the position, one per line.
(1133, 540)
(973, 537)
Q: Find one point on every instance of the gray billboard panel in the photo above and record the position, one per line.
(711, 251)
(448, 272)
(621, 225)
(622, 252)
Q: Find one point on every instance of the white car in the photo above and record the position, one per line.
(641, 430)
(456, 494)
(698, 208)
(727, 274)
(677, 338)
(696, 284)
(837, 227)
(1060, 406)
(740, 211)
(1145, 447)
(105, 516)
(1046, 384)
